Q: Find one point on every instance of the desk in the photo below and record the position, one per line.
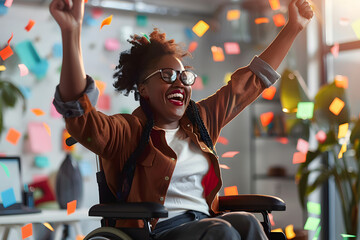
(57, 218)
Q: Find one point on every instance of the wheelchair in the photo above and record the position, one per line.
(110, 211)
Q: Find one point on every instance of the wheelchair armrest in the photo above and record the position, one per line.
(251, 203)
(141, 210)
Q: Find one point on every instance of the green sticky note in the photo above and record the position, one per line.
(314, 208)
(205, 79)
(312, 223)
(316, 236)
(305, 110)
(5, 169)
(347, 236)
(141, 20)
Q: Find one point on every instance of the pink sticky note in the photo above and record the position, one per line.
(23, 70)
(53, 112)
(39, 138)
(96, 12)
(104, 102)
(229, 154)
(232, 48)
(223, 166)
(8, 3)
(223, 140)
(321, 136)
(299, 157)
(302, 145)
(198, 85)
(112, 44)
(335, 50)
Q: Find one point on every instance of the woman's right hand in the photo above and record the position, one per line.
(68, 14)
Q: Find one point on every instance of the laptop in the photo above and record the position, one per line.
(11, 188)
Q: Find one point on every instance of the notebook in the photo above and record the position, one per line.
(11, 188)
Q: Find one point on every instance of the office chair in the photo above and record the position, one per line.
(110, 210)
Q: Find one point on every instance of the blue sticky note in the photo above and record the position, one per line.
(57, 50)
(141, 20)
(89, 20)
(8, 197)
(85, 169)
(189, 33)
(25, 91)
(41, 161)
(3, 9)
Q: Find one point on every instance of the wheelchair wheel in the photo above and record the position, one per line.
(107, 233)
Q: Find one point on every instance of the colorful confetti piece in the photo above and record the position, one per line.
(279, 20)
(232, 48)
(30, 24)
(233, 14)
(312, 223)
(27, 231)
(218, 54)
(302, 145)
(13, 136)
(200, 28)
(48, 226)
(336, 106)
(192, 46)
(299, 157)
(231, 191)
(230, 154)
(289, 231)
(274, 4)
(341, 81)
(71, 207)
(106, 21)
(6, 169)
(266, 118)
(305, 110)
(261, 20)
(343, 129)
(37, 111)
(314, 208)
(8, 197)
(269, 93)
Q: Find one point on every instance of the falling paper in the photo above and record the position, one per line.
(336, 106)
(227, 77)
(261, 20)
(356, 27)
(312, 223)
(104, 102)
(101, 86)
(229, 154)
(6, 53)
(347, 235)
(13, 136)
(57, 50)
(274, 4)
(305, 110)
(302, 146)
(200, 28)
(269, 93)
(279, 20)
(192, 46)
(106, 21)
(112, 44)
(271, 218)
(342, 150)
(8, 3)
(96, 12)
(71, 207)
(53, 112)
(314, 208)
(230, 191)
(47, 128)
(233, 14)
(29, 25)
(2, 68)
(80, 237)
(39, 138)
(289, 231)
(231, 48)
(218, 54)
(343, 129)
(320, 136)
(48, 226)
(37, 111)
(266, 118)
(223, 140)
(299, 157)
(223, 166)
(341, 81)
(6, 169)
(282, 140)
(8, 197)
(141, 20)
(27, 231)
(335, 50)
(23, 70)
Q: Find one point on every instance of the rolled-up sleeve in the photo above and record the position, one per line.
(74, 108)
(264, 71)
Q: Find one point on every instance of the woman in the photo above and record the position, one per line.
(163, 151)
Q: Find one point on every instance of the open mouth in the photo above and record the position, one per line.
(176, 98)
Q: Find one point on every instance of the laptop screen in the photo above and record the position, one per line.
(10, 181)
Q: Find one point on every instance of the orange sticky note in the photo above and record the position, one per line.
(341, 81)
(29, 25)
(229, 154)
(223, 140)
(223, 166)
(274, 4)
(282, 140)
(269, 93)
(335, 50)
(336, 106)
(101, 86)
(261, 20)
(23, 70)
(200, 28)
(6, 52)
(266, 118)
(37, 111)
(106, 21)
(26, 231)
(232, 48)
(47, 128)
(279, 20)
(230, 191)
(299, 157)
(218, 54)
(289, 231)
(80, 237)
(192, 46)
(71, 207)
(233, 14)
(343, 129)
(13, 136)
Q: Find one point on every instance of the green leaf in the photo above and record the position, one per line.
(8, 95)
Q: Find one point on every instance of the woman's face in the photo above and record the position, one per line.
(167, 100)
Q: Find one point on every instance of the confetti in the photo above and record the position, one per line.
(71, 207)
(23, 70)
(27, 231)
(282, 140)
(8, 3)
(192, 46)
(314, 208)
(200, 28)
(47, 128)
(312, 223)
(261, 20)
(29, 25)
(141, 20)
(277, 230)
(6, 52)
(223, 166)
(2, 68)
(335, 50)
(231, 191)
(299, 157)
(271, 218)
(106, 21)
(305, 110)
(101, 86)
(341, 81)
(37, 111)
(227, 77)
(356, 27)
(279, 20)
(289, 231)
(13, 136)
(233, 14)
(112, 44)
(320, 136)
(343, 129)
(274, 4)
(266, 118)
(218, 54)
(342, 150)
(347, 235)
(231, 48)
(223, 140)
(269, 93)
(80, 237)
(48, 226)
(229, 154)
(5, 169)
(302, 145)
(8, 197)
(336, 106)
(317, 233)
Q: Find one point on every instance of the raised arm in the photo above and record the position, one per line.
(300, 14)
(69, 15)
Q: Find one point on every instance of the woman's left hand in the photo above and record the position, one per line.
(300, 14)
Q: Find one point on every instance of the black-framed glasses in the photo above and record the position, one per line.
(169, 75)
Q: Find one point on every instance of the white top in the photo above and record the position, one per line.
(185, 191)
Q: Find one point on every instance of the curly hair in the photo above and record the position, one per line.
(143, 52)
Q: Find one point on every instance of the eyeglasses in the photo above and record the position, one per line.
(169, 75)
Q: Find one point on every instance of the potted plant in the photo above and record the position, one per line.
(343, 152)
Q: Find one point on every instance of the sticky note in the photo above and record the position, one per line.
(223, 140)
(89, 20)
(356, 27)
(200, 28)
(344, 21)
(279, 20)
(230, 191)
(347, 235)
(29, 25)
(141, 20)
(232, 48)
(314, 208)
(26, 91)
(282, 140)
(342, 150)
(299, 157)
(47, 128)
(317, 233)
(101, 86)
(23, 70)
(218, 54)
(261, 20)
(302, 145)
(106, 21)
(233, 14)
(277, 230)
(189, 34)
(96, 12)
(37, 111)
(53, 112)
(274, 4)
(2, 68)
(8, 197)
(266, 118)
(198, 84)
(112, 44)
(223, 166)
(104, 102)
(343, 129)
(13, 136)
(39, 138)
(8, 3)
(289, 231)
(57, 50)
(336, 106)
(320, 136)
(341, 81)
(41, 161)
(27, 231)
(312, 223)
(6, 169)
(269, 93)
(6, 52)
(229, 154)
(71, 207)
(305, 110)
(335, 50)
(192, 46)
(271, 218)
(85, 168)
(227, 77)
(48, 226)
(80, 237)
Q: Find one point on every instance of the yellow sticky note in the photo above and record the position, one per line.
(356, 27)
(106, 21)
(233, 14)
(274, 4)
(289, 231)
(227, 77)
(200, 28)
(230, 191)
(218, 54)
(2, 68)
(71, 207)
(343, 128)
(336, 106)
(48, 226)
